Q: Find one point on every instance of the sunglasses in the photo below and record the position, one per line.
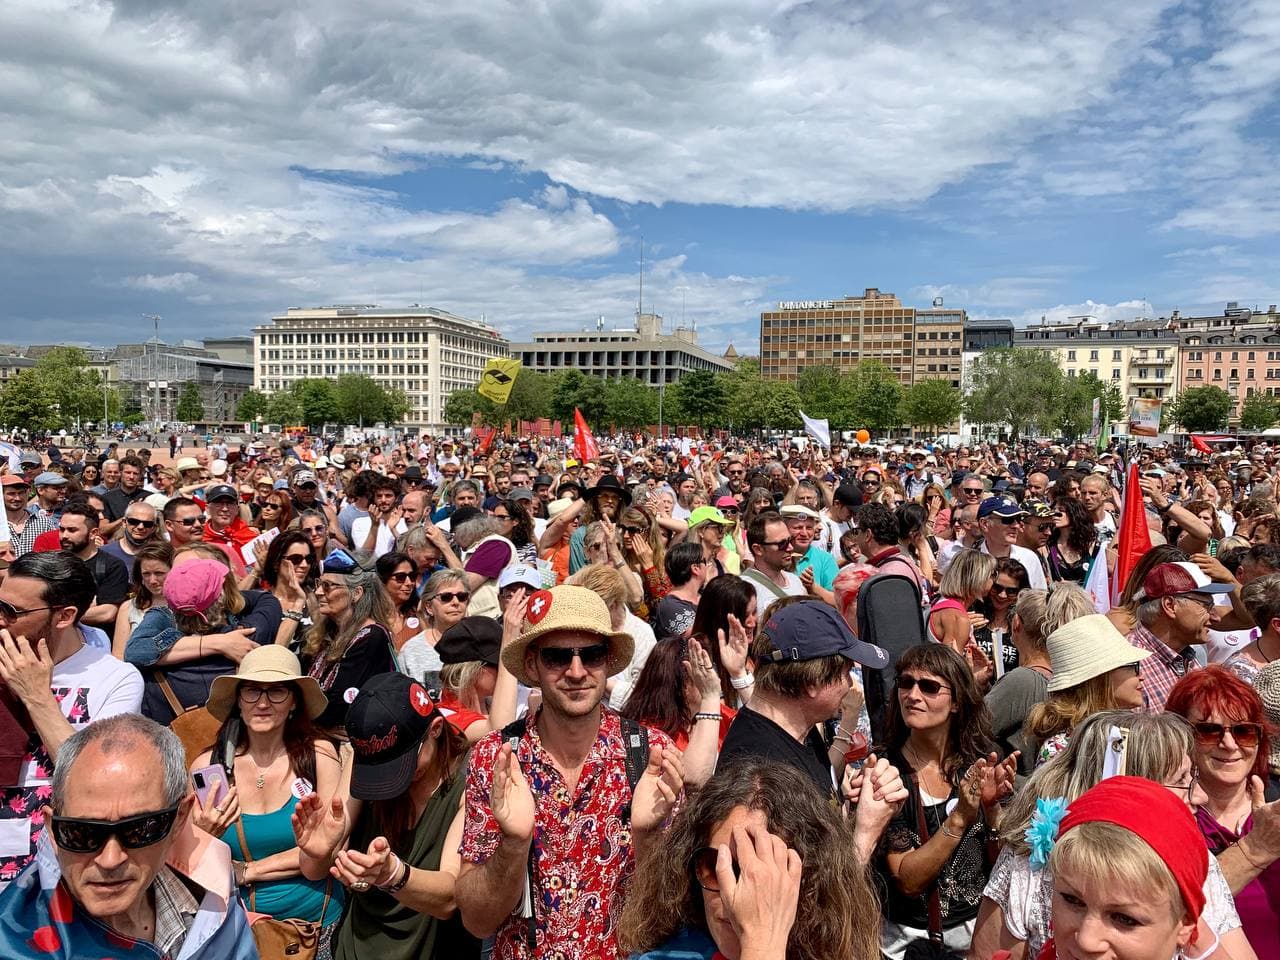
(145, 524)
(703, 867)
(297, 559)
(635, 531)
(871, 483)
(930, 688)
(78, 835)
(972, 491)
(1011, 521)
(1006, 591)
(780, 544)
(401, 576)
(271, 506)
(448, 596)
(559, 658)
(1244, 734)
(192, 521)
(275, 694)
(339, 561)
(311, 531)
(502, 516)
(9, 612)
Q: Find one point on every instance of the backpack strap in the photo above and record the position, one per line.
(758, 579)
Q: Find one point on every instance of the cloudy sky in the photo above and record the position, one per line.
(215, 161)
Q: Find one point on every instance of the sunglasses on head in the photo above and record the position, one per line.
(558, 658)
(928, 686)
(1244, 734)
(79, 835)
(703, 867)
(448, 596)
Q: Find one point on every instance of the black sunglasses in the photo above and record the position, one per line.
(448, 596)
(634, 531)
(1211, 734)
(135, 522)
(780, 544)
(77, 835)
(1006, 591)
(559, 658)
(930, 688)
(9, 612)
(192, 521)
(297, 559)
(401, 576)
(703, 867)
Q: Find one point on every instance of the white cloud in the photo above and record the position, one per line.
(1106, 312)
(168, 282)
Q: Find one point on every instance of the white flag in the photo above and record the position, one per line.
(818, 429)
(1096, 584)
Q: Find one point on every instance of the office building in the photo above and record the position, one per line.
(939, 334)
(152, 375)
(644, 352)
(423, 351)
(1139, 356)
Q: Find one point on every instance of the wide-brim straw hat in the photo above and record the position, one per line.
(567, 607)
(270, 663)
(1267, 683)
(1088, 647)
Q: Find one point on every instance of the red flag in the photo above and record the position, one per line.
(584, 444)
(484, 437)
(1200, 445)
(1134, 538)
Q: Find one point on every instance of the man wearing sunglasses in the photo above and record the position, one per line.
(141, 527)
(570, 747)
(1000, 522)
(121, 864)
(43, 649)
(1175, 616)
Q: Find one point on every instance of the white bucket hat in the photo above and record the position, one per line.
(1088, 647)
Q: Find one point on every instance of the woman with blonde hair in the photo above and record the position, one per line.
(444, 603)
(644, 551)
(1017, 901)
(1094, 668)
(968, 578)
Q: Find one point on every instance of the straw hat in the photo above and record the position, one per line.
(1088, 647)
(269, 663)
(1267, 683)
(567, 608)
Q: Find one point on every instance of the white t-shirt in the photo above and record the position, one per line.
(765, 596)
(89, 685)
(385, 543)
(645, 641)
(1030, 562)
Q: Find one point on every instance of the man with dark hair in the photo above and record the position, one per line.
(376, 532)
(1260, 560)
(771, 576)
(78, 534)
(23, 527)
(183, 521)
(60, 681)
(838, 518)
(877, 540)
(132, 472)
(687, 571)
(358, 492)
(51, 493)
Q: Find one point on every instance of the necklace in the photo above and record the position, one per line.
(261, 779)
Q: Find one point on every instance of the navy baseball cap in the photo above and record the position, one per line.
(812, 629)
(1000, 507)
(387, 723)
(222, 491)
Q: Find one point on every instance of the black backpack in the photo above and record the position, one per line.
(636, 739)
(889, 616)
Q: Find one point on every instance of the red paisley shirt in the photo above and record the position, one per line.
(582, 845)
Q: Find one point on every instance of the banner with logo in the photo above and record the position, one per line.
(1144, 417)
(498, 378)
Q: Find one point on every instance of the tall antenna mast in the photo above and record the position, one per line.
(640, 308)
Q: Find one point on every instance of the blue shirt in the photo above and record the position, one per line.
(685, 945)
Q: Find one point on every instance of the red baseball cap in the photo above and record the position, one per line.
(1175, 579)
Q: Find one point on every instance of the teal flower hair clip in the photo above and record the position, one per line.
(1043, 832)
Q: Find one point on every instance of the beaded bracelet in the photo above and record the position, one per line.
(706, 715)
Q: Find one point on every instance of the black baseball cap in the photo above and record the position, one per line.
(812, 629)
(471, 638)
(223, 491)
(387, 723)
(848, 494)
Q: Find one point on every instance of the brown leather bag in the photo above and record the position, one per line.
(278, 939)
(196, 727)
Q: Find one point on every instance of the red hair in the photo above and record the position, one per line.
(1216, 689)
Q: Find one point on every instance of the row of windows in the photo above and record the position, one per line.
(1115, 355)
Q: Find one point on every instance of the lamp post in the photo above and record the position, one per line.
(155, 373)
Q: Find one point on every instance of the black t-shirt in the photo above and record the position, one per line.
(116, 502)
(111, 576)
(754, 735)
(369, 654)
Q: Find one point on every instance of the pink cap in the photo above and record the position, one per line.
(195, 586)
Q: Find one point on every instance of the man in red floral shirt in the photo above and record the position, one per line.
(562, 792)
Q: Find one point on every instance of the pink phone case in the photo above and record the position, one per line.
(210, 779)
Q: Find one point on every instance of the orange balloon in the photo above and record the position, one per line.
(863, 436)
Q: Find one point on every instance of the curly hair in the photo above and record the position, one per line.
(838, 916)
(1079, 533)
(970, 735)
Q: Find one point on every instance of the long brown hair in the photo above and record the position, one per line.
(657, 697)
(394, 818)
(138, 591)
(300, 735)
(837, 917)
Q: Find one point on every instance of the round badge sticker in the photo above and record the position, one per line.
(412, 623)
(301, 787)
(419, 699)
(538, 606)
(350, 694)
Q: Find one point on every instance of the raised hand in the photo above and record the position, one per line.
(969, 794)
(319, 828)
(510, 798)
(761, 899)
(997, 780)
(734, 647)
(979, 663)
(702, 673)
(657, 790)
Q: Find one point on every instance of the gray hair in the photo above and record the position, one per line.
(1148, 612)
(124, 733)
(413, 538)
(464, 485)
(473, 531)
(440, 579)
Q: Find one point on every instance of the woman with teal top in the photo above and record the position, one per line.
(273, 756)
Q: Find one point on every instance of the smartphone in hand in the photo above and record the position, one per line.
(210, 780)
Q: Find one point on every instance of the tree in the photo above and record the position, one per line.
(875, 396)
(531, 396)
(577, 389)
(395, 405)
(461, 405)
(1018, 387)
(1075, 403)
(317, 400)
(363, 400)
(701, 398)
(1259, 412)
(76, 390)
(767, 405)
(1200, 409)
(251, 406)
(190, 404)
(824, 394)
(29, 402)
(629, 403)
(931, 405)
(283, 408)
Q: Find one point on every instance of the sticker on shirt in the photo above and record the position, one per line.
(412, 623)
(539, 606)
(350, 694)
(302, 787)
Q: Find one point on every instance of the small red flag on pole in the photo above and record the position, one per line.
(584, 444)
(1134, 538)
(1200, 445)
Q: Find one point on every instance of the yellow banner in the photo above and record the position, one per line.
(498, 378)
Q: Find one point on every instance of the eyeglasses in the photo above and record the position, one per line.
(1193, 781)
(312, 531)
(277, 693)
(448, 596)
(730, 511)
(402, 576)
(871, 483)
(297, 559)
(559, 658)
(271, 506)
(1006, 591)
(635, 531)
(79, 835)
(703, 867)
(324, 586)
(1211, 734)
(192, 521)
(930, 688)
(135, 522)
(9, 612)
(502, 516)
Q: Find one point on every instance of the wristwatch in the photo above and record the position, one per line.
(293, 615)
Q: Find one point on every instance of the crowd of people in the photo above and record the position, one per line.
(712, 699)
